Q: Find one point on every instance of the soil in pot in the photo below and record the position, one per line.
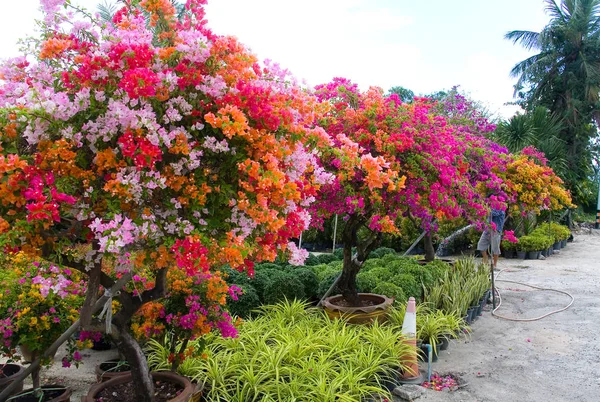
(110, 369)
(374, 307)
(163, 390)
(52, 393)
(168, 387)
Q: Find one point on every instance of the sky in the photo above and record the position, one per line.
(425, 46)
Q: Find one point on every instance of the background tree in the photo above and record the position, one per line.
(405, 94)
(564, 77)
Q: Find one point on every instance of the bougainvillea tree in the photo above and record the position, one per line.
(391, 160)
(147, 143)
(533, 185)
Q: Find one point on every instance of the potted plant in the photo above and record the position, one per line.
(160, 164)
(527, 244)
(37, 309)
(370, 190)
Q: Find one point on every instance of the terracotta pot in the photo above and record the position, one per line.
(9, 372)
(104, 373)
(185, 394)
(57, 393)
(359, 315)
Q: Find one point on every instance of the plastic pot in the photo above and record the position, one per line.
(472, 312)
(563, 243)
(532, 255)
(52, 393)
(557, 245)
(443, 343)
(521, 255)
(166, 376)
(10, 371)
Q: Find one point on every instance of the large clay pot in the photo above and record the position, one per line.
(9, 372)
(106, 370)
(188, 388)
(359, 315)
(52, 393)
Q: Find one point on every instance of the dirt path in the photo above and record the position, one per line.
(553, 359)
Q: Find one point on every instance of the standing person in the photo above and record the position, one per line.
(491, 237)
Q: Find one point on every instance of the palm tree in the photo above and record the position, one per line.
(564, 76)
(537, 128)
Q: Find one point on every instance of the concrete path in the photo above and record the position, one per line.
(554, 359)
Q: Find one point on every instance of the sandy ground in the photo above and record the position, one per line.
(553, 359)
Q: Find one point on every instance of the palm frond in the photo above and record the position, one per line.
(555, 11)
(528, 39)
(107, 11)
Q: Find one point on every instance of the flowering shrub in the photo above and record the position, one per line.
(393, 160)
(159, 145)
(38, 302)
(534, 185)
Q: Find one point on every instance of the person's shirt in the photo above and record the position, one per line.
(498, 218)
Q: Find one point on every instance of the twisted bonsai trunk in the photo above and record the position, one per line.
(429, 250)
(140, 372)
(353, 264)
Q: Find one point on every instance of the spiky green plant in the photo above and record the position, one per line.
(291, 352)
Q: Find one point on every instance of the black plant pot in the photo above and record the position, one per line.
(521, 255)
(532, 255)
(557, 245)
(443, 343)
(472, 312)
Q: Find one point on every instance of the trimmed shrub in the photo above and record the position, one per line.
(392, 257)
(409, 285)
(339, 253)
(366, 282)
(383, 273)
(267, 265)
(381, 251)
(421, 275)
(327, 282)
(309, 281)
(283, 286)
(311, 260)
(336, 264)
(236, 277)
(399, 265)
(321, 270)
(371, 263)
(390, 290)
(437, 269)
(262, 278)
(246, 302)
(327, 258)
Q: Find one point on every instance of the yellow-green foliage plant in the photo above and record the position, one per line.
(291, 352)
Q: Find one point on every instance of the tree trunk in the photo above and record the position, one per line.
(140, 372)
(347, 282)
(35, 379)
(351, 267)
(429, 250)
